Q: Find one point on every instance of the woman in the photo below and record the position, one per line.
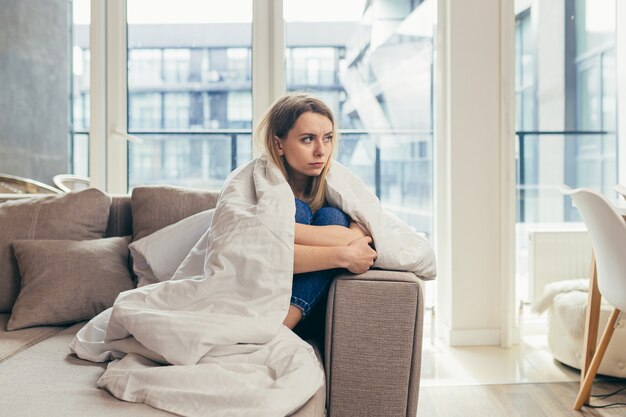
(299, 135)
(227, 324)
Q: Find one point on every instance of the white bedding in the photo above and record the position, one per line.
(223, 329)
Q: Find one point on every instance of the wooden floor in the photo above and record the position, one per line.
(519, 400)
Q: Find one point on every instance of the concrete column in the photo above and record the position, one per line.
(474, 171)
(34, 79)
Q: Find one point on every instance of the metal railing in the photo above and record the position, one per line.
(197, 133)
(235, 133)
(523, 184)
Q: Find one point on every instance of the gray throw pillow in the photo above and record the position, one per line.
(65, 281)
(155, 207)
(80, 215)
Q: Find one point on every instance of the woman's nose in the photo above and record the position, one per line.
(319, 147)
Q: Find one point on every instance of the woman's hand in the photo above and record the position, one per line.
(359, 255)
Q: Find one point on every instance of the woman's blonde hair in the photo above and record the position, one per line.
(278, 121)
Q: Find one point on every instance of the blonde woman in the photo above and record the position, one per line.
(299, 134)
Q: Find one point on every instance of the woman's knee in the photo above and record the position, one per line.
(304, 215)
(327, 216)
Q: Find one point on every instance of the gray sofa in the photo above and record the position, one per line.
(369, 335)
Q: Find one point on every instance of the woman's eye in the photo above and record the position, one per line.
(328, 139)
(307, 139)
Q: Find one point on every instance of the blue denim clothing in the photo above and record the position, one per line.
(307, 288)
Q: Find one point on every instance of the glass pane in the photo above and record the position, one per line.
(81, 63)
(589, 90)
(595, 25)
(372, 63)
(189, 90)
(575, 118)
(527, 61)
(44, 63)
(200, 160)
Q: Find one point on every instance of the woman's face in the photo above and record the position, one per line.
(307, 146)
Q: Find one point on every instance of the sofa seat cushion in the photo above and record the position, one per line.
(18, 340)
(46, 380)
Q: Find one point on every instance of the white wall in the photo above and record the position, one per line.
(475, 142)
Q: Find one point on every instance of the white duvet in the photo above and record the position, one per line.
(214, 344)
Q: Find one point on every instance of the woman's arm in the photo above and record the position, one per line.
(327, 235)
(357, 256)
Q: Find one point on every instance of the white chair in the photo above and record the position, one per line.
(607, 231)
(621, 189)
(69, 182)
(12, 184)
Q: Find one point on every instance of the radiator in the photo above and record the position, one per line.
(555, 256)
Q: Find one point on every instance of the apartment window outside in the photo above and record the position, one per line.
(312, 66)
(177, 108)
(145, 111)
(239, 65)
(240, 107)
(145, 67)
(176, 65)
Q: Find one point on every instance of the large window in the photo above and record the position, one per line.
(372, 62)
(566, 116)
(189, 91)
(173, 83)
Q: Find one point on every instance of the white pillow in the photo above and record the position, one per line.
(157, 256)
(193, 265)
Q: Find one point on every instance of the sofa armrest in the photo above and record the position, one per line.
(374, 324)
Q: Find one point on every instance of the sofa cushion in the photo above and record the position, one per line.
(65, 281)
(74, 216)
(157, 256)
(154, 207)
(47, 381)
(15, 341)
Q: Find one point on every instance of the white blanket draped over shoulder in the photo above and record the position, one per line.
(221, 331)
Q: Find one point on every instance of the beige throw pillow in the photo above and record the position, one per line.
(74, 216)
(155, 207)
(65, 281)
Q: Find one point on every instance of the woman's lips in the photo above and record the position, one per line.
(317, 164)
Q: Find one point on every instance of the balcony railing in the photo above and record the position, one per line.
(547, 159)
(377, 142)
(396, 164)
